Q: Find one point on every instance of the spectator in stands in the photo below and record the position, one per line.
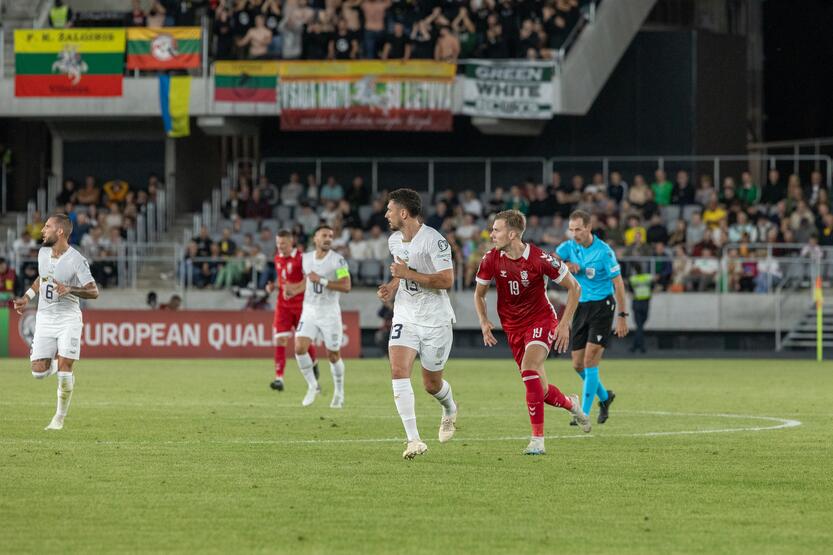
(639, 193)
(377, 215)
(374, 26)
(496, 201)
(292, 191)
(683, 193)
(662, 188)
(35, 226)
(68, 192)
(307, 218)
(315, 41)
(617, 189)
(269, 191)
(826, 231)
(466, 31)
(663, 266)
(472, 205)
(447, 48)
(748, 193)
(90, 194)
(224, 35)
(136, 17)
(359, 249)
(232, 272)
(348, 217)
(233, 206)
(812, 190)
(703, 272)
(312, 189)
(496, 44)
(613, 231)
(258, 39)
(439, 216)
(742, 227)
(555, 233)
(638, 247)
(204, 242)
(344, 44)
(9, 284)
(542, 204)
(774, 190)
(378, 243)
(24, 245)
(634, 228)
(157, 14)
(678, 235)
(114, 217)
(258, 207)
(61, 15)
(713, 213)
(227, 245)
(397, 45)
(358, 195)
(516, 201)
(704, 191)
(331, 190)
(656, 232)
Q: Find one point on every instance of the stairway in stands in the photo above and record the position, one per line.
(803, 334)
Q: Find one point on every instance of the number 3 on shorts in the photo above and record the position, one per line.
(396, 331)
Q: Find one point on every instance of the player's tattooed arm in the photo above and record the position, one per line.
(486, 326)
(444, 279)
(89, 291)
(620, 327)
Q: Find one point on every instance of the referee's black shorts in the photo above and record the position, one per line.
(593, 323)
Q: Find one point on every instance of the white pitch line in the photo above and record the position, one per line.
(781, 423)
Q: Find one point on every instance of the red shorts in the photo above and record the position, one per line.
(540, 333)
(286, 319)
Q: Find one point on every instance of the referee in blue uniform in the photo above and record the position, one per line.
(600, 308)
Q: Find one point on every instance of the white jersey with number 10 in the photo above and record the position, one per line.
(317, 298)
(427, 253)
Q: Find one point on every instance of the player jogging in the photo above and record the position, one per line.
(326, 277)
(63, 278)
(422, 273)
(289, 270)
(595, 266)
(520, 271)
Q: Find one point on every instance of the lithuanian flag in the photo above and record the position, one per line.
(168, 48)
(246, 81)
(68, 62)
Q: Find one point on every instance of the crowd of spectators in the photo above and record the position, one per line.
(103, 218)
(692, 237)
(392, 29)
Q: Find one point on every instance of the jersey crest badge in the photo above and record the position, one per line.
(590, 272)
(524, 278)
(442, 244)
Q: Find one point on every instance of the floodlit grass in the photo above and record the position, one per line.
(201, 455)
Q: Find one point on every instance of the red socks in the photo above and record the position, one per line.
(534, 401)
(555, 398)
(280, 360)
(311, 353)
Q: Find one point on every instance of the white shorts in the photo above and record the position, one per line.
(62, 338)
(433, 344)
(330, 330)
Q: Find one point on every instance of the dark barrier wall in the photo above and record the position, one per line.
(673, 92)
(132, 161)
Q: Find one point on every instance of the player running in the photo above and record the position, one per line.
(520, 271)
(63, 278)
(326, 277)
(422, 273)
(594, 264)
(289, 270)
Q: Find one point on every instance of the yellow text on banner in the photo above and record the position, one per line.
(361, 68)
(54, 40)
(252, 68)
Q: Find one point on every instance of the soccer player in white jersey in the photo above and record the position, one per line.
(63, 278)
(422, 273)
(326, 277)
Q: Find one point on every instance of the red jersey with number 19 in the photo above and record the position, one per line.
(521, 287)
(289, 269)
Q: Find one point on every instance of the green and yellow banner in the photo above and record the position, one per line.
(69, 62)
(167, 48)
(246, 81)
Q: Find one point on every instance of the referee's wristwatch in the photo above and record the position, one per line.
(623, 314)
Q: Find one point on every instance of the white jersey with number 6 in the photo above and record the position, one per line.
(427, 253)
(70, 269)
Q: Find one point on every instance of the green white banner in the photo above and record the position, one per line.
(514, 89)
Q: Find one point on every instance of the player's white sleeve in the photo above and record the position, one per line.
(440, 253)
(82, 271)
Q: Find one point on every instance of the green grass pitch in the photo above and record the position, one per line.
(200, 455)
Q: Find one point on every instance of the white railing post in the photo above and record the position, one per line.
(42, 202)
(3, 179)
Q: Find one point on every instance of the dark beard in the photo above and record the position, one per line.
(48, 243)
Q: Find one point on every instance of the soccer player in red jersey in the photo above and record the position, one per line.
(288, 269)
(520, 271)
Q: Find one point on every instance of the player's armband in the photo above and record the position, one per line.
(342, 272)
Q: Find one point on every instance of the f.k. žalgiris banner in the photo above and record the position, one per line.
(69, 62)
(167, 48)
(366, 95)
(514, 89)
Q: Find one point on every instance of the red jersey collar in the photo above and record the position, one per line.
(525, 254)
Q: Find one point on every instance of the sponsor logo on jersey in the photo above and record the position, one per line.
(503, 273)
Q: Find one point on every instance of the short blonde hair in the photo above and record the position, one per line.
(514, 219)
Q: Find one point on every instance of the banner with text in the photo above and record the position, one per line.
(364, 95)
(512, 89)
(172, 334)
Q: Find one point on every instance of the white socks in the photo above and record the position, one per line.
(66, 383)
(446, 399)
(403, 396)
(337, 369)
(305, 366)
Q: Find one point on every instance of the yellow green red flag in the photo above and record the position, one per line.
(166, 48)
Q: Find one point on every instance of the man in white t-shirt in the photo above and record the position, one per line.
(422, 272)
(326, 277)
(64, 278)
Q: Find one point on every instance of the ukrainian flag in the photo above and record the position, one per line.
(175, 98)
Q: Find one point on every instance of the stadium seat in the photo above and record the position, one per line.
(670, 215)
(353, 265)
(284, 213)
(689, 210)
(248, 226)
(365, 213)
(370, 272)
